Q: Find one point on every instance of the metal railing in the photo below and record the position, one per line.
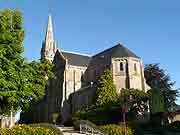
(88, 130)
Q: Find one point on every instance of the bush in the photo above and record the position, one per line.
(101, 115)
(113, 129)
(26, 130)
(49, 126)
(56, 118)
(175, 124)
(68, 122)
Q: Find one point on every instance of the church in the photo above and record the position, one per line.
(77, 75)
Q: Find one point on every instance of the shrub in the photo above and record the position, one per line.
(174, 126)
(26, 130)
(68, 122)
(113, 129)
(101, 115)
(56, 118)
(49, 126)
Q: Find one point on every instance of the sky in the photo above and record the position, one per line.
(151, 29)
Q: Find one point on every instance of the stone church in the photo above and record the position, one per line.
(77, 75)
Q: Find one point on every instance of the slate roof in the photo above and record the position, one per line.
(102, 57)
(117, 51)
(76, 59)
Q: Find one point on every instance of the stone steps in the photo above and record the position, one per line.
(69, 131)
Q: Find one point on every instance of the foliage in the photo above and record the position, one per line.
(134, 100)
(49, 126)
(156, 101)
(113, 113)
(101, 115)
(68, 122)
(157, 78)
(175, 124)
(118, 129)
(106, 92)
(173, 127)
(56, 118)
(20, 81)
(27, 130)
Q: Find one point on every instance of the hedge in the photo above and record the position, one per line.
(26, 130)
(32, 129)
(113, 129)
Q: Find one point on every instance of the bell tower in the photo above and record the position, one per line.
(49, 45)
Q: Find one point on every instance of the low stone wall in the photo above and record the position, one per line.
(5, 121)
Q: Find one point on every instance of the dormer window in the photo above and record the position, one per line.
(121, 66)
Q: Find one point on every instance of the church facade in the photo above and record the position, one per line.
(77, 74)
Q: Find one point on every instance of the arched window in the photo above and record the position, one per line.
(74, 80)
(121, 66)
(135, 67)
(82, 76)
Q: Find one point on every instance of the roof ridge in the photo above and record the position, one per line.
(107, 49)
(77, 53)
(119, 46)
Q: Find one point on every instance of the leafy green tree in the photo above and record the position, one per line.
(20, 81)
(156, 102)
(157, 78)
(106, 91)
(134, 100)
(157, 107)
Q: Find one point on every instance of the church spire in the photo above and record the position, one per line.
(49, 31)
(49, 47)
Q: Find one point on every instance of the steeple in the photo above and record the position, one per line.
(49, 31)
(49, 47)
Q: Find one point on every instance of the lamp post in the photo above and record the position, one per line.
(124, 110)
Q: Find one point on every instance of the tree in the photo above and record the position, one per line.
(157, 107)
(20, 81)
(106, 91)
(134, 100)
(156, 103)
(158, 79)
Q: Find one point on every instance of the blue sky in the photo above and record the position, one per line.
(151, 28)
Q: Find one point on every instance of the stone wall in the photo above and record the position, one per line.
(136, 74)
(79, 100)
(5, 121)
(83, 98)
(74, 78)
(119, 71)
(55, 89)
(128, 73)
